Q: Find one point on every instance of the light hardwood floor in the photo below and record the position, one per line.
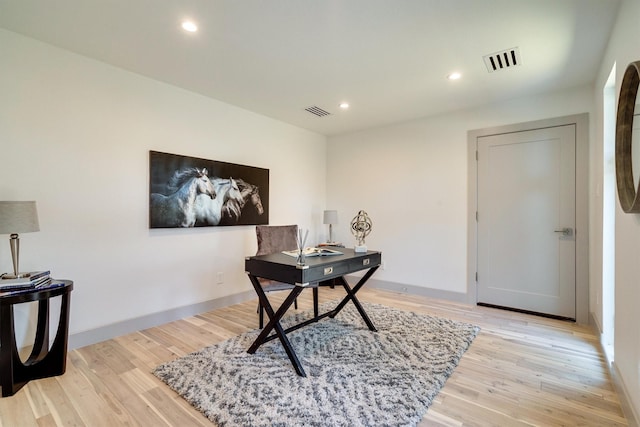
(521, 370)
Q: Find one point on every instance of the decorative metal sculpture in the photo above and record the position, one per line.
(360, 228)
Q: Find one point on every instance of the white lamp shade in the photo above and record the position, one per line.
(18, 217)
(330, 217)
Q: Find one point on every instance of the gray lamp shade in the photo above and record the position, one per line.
(330, 217)
(18, 217)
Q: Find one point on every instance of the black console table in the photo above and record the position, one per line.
(43, 361)
(316, 270)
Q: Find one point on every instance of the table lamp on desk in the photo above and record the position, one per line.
(330, 217)
(17, 217)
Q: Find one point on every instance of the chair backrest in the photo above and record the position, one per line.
(276, 238)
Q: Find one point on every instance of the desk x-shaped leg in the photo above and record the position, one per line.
(351, 296)
(274, 317)
(274, 323)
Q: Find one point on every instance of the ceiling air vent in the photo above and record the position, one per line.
(317, 111)
(502, 60)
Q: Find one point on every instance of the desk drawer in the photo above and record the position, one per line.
(365, 262)
(341, 268)
(283, 268)
(329, 272)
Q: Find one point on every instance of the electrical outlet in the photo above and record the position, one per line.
(219, 278)
(384, 265)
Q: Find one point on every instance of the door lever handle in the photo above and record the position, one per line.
(567, 231)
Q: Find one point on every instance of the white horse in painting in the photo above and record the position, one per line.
(209, 211)
(178, 208)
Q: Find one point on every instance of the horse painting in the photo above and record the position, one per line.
(177, 209)
(195, 192)
(210, 211)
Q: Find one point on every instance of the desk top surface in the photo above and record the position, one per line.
(284, 268)
(313, 261)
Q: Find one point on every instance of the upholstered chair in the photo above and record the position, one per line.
(272, 239)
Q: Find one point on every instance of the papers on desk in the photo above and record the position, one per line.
(313, 252)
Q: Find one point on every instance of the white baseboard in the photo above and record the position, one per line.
(630, 413)
(81, 339)
(418, 290)
(103, 333)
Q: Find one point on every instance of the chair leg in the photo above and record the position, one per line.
(315, 302)
(261, 312)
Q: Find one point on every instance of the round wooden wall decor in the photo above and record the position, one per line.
(628, 193)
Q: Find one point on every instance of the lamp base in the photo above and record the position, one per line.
(15, 276)
(360, 248)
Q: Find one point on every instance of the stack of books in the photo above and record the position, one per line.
(35, 280)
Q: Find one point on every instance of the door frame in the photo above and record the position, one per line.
(581, 122)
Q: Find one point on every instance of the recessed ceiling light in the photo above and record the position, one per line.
(344, 105)
(189, 26)
(454, 76)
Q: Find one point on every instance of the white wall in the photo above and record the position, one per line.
(412, 180)
(624, 48)
(75, 136)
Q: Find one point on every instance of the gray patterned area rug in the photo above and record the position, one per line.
(355, 377)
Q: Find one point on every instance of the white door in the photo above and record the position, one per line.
(526, 220)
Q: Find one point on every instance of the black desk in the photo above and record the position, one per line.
(43, 361)
(316, 270)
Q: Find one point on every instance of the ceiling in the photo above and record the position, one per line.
(388, 59)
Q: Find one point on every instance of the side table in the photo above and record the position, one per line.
(43, 361)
